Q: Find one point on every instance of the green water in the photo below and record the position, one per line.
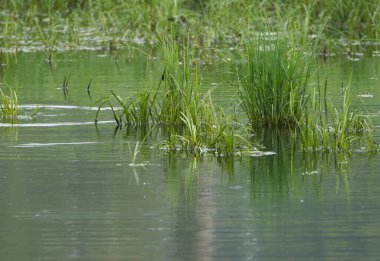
(68, 192)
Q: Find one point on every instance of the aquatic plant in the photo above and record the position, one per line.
(179, 86)
(325, 127)
(9, 105)
(273, 80)
(215, 132)
(53, 25)
(35, 112)
(65, 84)
(178, 104)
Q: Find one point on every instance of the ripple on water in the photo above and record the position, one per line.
(34, 145)
(51, 124)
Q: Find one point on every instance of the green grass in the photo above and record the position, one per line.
(273, 71)
(328, 128)
(274, 91)
(57, 25)
(9, 106)
(273, 80)
(177, 103)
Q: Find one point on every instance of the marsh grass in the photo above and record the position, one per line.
(325, 127)
(273, 80)
(274, 91)
(9, 105)
(177, 103)
(215, 132)
(110, 24)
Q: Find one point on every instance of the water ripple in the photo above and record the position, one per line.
(34, 145)
(52, 124)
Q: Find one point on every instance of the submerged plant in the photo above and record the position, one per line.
(273, 81)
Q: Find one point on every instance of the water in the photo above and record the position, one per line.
(68, 190)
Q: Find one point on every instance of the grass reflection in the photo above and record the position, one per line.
(9, 133)
(181, 178)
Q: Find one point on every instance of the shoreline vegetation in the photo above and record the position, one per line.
(274, 91)
(348, 26)
(271, 44)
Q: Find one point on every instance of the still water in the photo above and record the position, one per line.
(68, 190)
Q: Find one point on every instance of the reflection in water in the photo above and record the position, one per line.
(9, 134)
(205, 211)
(85, 201)
(197, 243)
(89, 202)
(285, 193)
(51, 124)
(35, 145)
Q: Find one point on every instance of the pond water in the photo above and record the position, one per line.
(68, 190)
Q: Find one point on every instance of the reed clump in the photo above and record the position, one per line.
(9, 106)
(275, 91)
(328, 128)
(110, 24)
(273, 81)
(177, 103)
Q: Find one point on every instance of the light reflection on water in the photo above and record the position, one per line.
(52, 124)
(68, 190)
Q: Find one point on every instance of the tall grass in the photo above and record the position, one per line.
(74, 24)
(325, 127)
(179, 88)
(177, 103)
(273, 81)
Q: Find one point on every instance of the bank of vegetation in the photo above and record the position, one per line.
(274, 46)
(348, 26)
(274, 91)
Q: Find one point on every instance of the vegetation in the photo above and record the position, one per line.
(324, 127)
(273, 81)
(9, 106)
(273, 71)
(52, 25)
(178, 104)
(275, 91)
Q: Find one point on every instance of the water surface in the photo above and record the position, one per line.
(68, 189)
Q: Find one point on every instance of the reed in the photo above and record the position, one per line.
(70, 24)
(9, 106)
(273, 81)
(178, 104)
(325, 127)
(215, 132)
